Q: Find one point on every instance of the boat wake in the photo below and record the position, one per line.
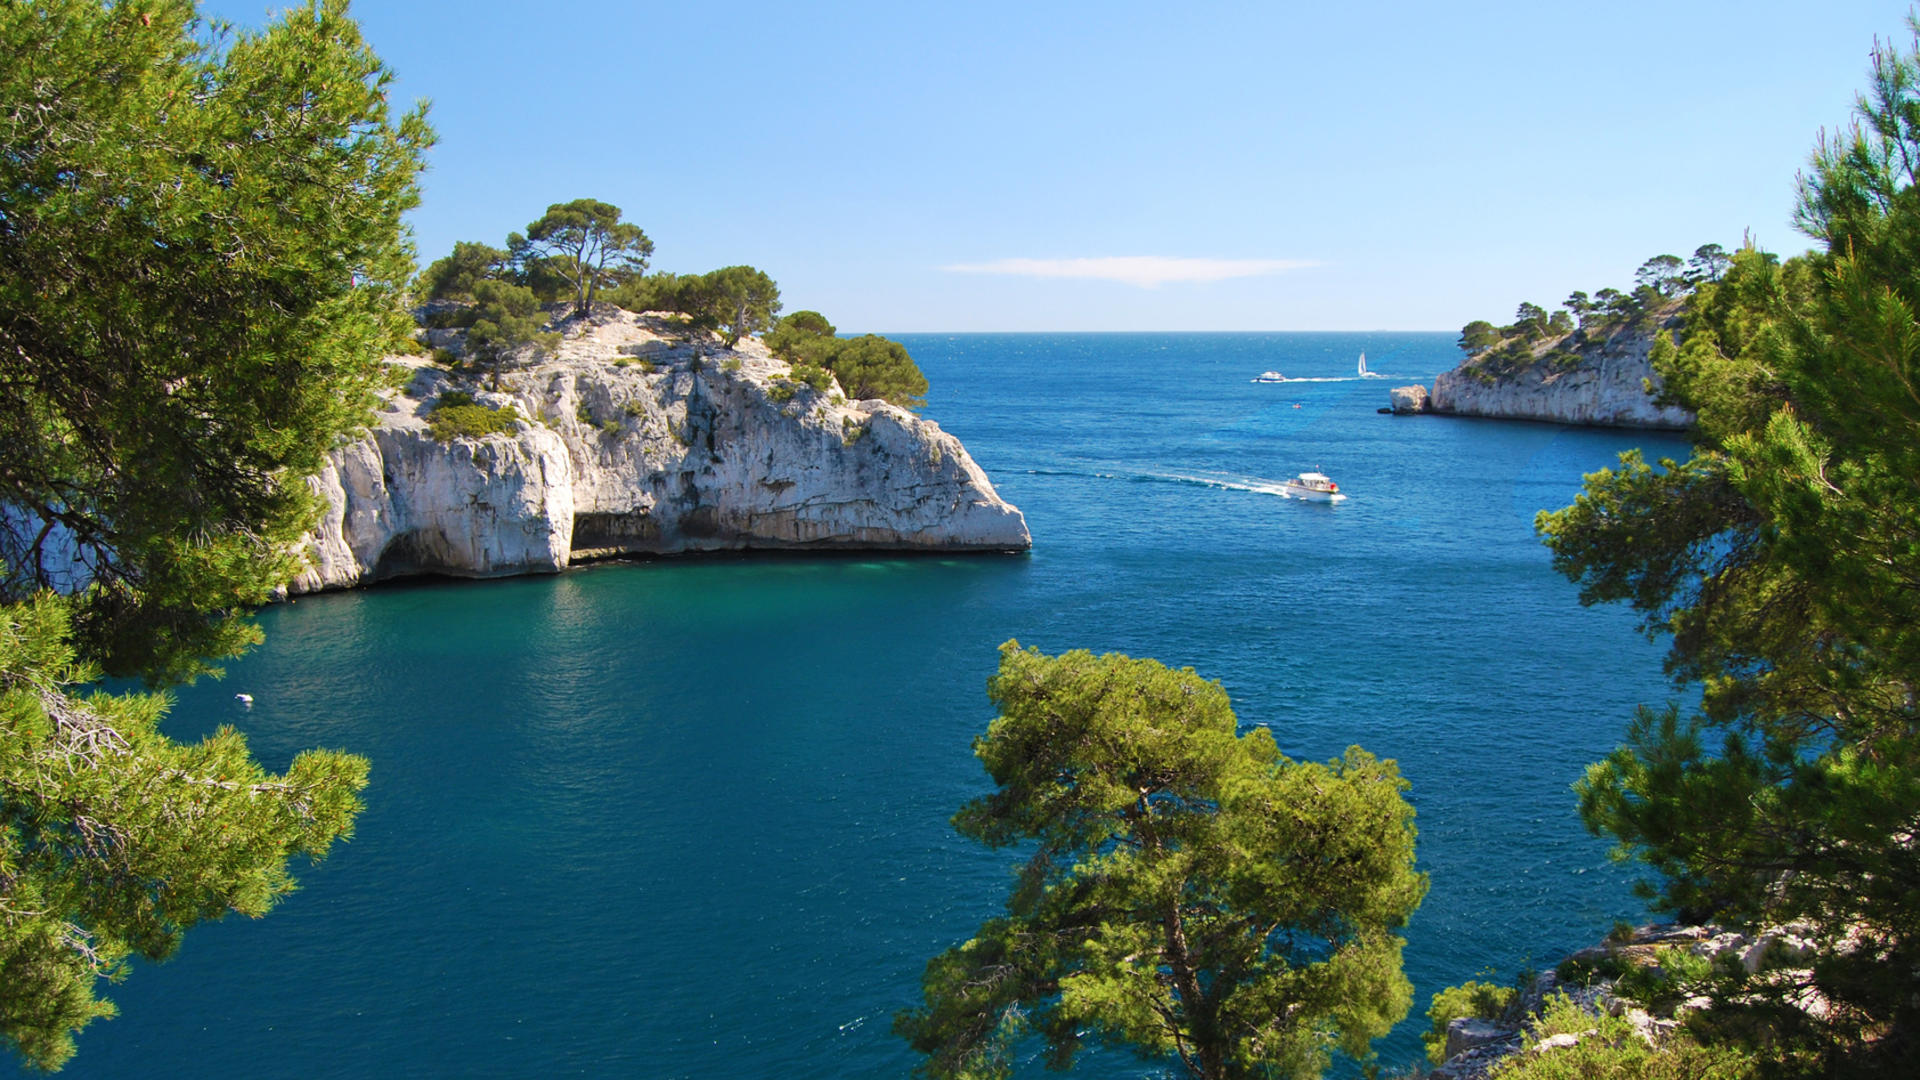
(1225, 482)
(1252, 484)
(1331, 378)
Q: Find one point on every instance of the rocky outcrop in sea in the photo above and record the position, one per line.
(1603, 383)
(1407, 400)
(640, 437)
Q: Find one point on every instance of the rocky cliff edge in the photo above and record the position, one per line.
(1601, 383)
(638, 438)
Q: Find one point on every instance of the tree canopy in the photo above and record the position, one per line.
(737, 301)
(201, 265)
(1783, 559)
(506, 318)
(1537, 336)
(1191, 893)
(453, 276)
(586, 245)
(1478, 336)
(1664, 274)
(810, 323)
(200, 258)
(1709, 263)
(869, 366)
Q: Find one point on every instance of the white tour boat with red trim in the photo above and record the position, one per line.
(1317, 487)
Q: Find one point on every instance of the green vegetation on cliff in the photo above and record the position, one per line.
(588, 252)
(1606, 1047)
(869, 366)
(584, 245)
(1471, 1000)
(457, 416)
(1536, 336)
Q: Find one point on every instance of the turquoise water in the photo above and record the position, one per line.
(687, 818)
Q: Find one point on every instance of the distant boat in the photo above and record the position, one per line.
(1269, 376)
(1364, 373)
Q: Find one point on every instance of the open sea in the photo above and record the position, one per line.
(687, 818)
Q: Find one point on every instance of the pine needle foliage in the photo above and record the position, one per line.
(114, 839)
(201, 265)
(1784, 560)
(1191, 893)
(201, 261)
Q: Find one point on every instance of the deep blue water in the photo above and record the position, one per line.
(688, 818)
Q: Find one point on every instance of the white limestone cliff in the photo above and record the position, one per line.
(1407, 400)
(1605, 386)
(640, 440)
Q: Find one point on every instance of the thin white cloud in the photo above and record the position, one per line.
(1145, 271)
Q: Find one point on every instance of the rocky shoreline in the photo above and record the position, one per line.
(640, 437)
(1475, 1045)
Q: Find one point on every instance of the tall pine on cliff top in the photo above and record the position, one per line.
(1784, 558)
(200, 263)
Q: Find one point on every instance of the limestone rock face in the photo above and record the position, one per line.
(642, 441)
(1466, 1032)
(1406, 400)
(1606, 388)
(402, 503)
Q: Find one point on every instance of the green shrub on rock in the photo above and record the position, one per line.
(1471, 999)
(869, 366)
(1611, 1048)
(816, 377)
(457, 416)
(1672, 977)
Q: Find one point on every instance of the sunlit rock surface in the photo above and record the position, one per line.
(642, 439)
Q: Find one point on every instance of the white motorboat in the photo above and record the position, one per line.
(1269, 376)
(1313, 486)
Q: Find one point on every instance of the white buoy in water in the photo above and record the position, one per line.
(244, 699)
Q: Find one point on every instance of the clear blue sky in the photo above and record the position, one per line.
(1265, 166)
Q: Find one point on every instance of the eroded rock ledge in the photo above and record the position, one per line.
(643, 439)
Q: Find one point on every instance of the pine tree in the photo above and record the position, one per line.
(1783, 559)
(1191, 894)
(201, 265)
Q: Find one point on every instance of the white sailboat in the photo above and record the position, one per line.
(1364, 373)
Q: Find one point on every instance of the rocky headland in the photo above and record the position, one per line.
(638, 436)
(1600, 382)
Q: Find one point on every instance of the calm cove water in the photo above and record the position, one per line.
(688, 818)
